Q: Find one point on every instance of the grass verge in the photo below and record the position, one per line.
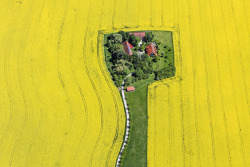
(136, 151)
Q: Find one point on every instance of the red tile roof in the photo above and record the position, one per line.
(129, 89)
(127, 47)
(151, 49)
(138, 34)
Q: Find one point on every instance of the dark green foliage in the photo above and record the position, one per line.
(125, 35)
(109, 43)
(144, 57)
(136, 48)
(136, 61)
(156, 58)
(116, 38)
(118, 55)
(122, 67)
(126, 72)
(118, 80)
(146, 76)
(143, 47)
(129, 80)
(115, 47)
(139, 74)
(150, 64)
(148, 37)
(134, 40)
(165, 72)
(147, 70)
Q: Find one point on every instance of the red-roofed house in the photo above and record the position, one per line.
(141, 35)
(130, 89)
(127, 47)
(151, 50)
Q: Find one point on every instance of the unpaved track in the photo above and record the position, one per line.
(127, 122)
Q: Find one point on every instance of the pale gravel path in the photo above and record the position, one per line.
(127, 124)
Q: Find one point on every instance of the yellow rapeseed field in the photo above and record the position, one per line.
(59, 106)
(201, 117)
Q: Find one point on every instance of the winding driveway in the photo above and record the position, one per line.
(127, 120)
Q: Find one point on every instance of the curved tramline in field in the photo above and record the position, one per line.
(52, 113)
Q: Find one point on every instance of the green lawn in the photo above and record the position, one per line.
(136, 151)
(166, 38)
(163, 62)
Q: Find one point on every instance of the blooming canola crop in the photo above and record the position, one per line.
(201, 116)
(59, 106)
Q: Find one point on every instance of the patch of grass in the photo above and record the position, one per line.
(166, 39)
(136, 152)
(161, 63)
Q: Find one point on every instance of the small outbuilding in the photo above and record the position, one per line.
(130, 89)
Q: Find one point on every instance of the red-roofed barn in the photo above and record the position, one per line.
(127, 47)
(151, 50)
(130, 89)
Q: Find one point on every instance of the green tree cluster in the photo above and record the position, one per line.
(120, 64)
(125, 35)
(116, 38)
(148, 37)
(134, 40)
(166, 72)
(143, 46)
(115, 47)
(130, 80)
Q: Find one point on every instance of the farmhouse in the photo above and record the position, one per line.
(141, 35)
(151, 50)
(130, 89)
(127, 47)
